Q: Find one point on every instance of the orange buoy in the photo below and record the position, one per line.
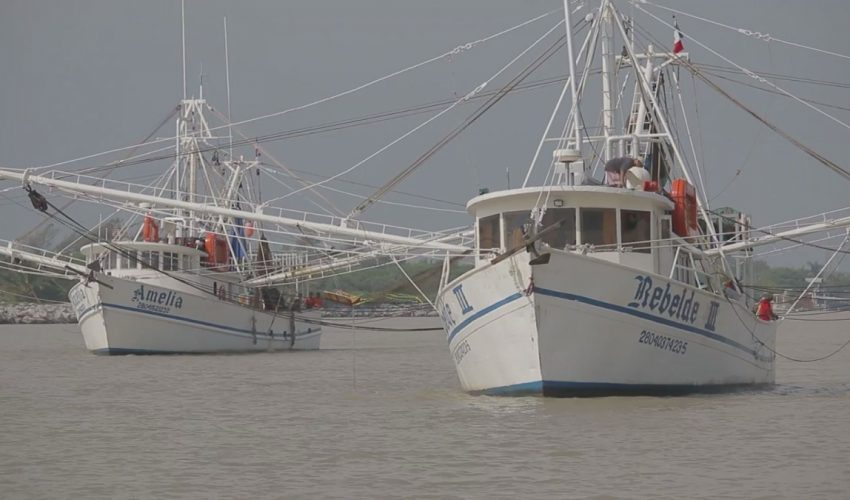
(216, 248)
(150, 229)
(684, 209)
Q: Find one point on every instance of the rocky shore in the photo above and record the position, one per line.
(34, 313)
(379, 310)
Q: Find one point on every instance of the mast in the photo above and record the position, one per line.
(573, 92)
(609, 77)
(183, 39)
(192, 129)
(650, 102)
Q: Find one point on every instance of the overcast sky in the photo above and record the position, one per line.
(80, 77)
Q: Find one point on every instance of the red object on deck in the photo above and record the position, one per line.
(650, 186)
(150, 229)
(685, 208)
(216, 248)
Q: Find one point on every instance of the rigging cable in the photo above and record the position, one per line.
(454, 51)
(525, 73)
(767, 37)
(748, 72)
(697, 73)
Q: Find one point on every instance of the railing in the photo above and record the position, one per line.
(295, 215)
(39, 258)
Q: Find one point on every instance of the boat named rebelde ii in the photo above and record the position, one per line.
(588, 287)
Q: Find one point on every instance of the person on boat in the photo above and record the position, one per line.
(764, 310)
(615, 170)
(729, 290)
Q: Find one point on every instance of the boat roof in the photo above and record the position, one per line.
(570, 196)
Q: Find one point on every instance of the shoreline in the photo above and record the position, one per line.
(34, 313)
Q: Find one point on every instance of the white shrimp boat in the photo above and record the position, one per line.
(178, 285)
(632, 318)
(582, 287)
(196, 277)
(131, 308)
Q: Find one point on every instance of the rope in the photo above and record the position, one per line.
(525, 73)
(457, 50)
(423, 124)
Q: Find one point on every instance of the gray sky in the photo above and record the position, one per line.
(80, 77)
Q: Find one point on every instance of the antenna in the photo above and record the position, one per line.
(227, 77)
(183, 35)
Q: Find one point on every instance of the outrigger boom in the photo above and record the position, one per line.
(27, 178)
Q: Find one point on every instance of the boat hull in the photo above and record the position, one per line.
(578, 325)
(136, 318)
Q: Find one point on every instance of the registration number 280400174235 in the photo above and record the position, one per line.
(662, 342)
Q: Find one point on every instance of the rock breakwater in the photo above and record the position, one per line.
(34, 313)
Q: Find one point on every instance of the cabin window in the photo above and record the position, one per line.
(112, 260)
(635, 227)
(513, 228)
(169, 261)
(133, 258)
(151, 259)
(187, 263)
(566, 234)
(488, 232)
(599, 226)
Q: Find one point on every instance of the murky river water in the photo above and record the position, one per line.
(381, 415)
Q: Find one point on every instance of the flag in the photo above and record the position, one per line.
(677, 37)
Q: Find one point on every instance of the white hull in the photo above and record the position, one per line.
(137, 318)
(589, 328)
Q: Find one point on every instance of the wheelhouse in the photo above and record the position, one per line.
(143, 256)
(614, 224)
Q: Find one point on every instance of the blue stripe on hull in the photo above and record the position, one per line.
(483, 312)
(555, 388)
(117, 351)
(644, 315)
(612, 307)
(310, 330)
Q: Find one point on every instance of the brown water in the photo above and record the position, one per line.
(381, 415)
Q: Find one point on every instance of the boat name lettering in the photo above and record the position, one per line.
(446, 315)
(662, 342)
(461, 351)
(664, 300)
(152, 300)
(711, 322)
(461, 299)
(78, 299)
